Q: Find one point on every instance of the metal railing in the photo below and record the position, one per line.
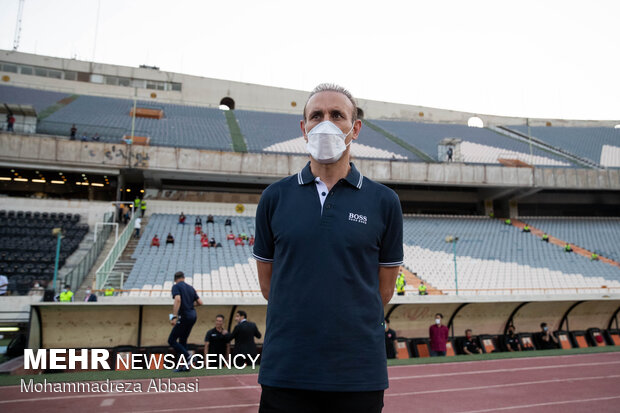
(104, 271)
(76, 275)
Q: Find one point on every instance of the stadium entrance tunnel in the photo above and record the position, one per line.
(137, 323)
(227, 103)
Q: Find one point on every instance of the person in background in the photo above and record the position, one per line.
(438, 334)
(251, 241)
(215, 339)
(204, 241)
(545, 237)
(96, 137)
(183, 316)
(512, 340)
(243, 334)
(90, 297)
(136, 226)
(230, 236)
(73, 133)
(526, 228)
(568, 248)
(400, 283)
(182, 218)
(422, 289)
(10, 121)
(212, 243)
(155, 241)
(36, 290)
(4, 283)
(65, 296)
(239, 241)
(170, 239)
(198, 222)
(470, 344)
(210, 219)
(228, 222)
(390, 339)
(547, 340)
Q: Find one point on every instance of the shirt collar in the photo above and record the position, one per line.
(354, 178)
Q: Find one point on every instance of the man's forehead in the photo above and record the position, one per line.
(328, 100)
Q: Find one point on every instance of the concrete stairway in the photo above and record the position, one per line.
(414, 281)
(561, 243)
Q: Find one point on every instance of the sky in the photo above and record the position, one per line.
(540, 58)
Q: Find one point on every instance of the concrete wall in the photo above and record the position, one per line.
(190, 164)
(209, 92)
(107, 325)
(199, 208)
(91, 212)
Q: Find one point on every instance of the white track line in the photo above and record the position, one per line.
(527, 406)
(496, 386)
(461, 373)
(230, 406)
(515, 359)
(106, 402)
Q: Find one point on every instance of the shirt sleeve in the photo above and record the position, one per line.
(175, 291)
(264, 241)
(391, 250)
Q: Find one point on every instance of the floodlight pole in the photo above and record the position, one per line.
(58, 237)
(456, 280)
(453, 240)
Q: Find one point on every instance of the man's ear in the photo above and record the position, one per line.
(302, 124)
(357, 127)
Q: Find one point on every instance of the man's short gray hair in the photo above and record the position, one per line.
(332, 87)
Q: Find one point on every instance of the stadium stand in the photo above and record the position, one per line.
(481, 145)
(600, 145)
(39, 99)
(223, 271)
(182, 126)
(28, 247)
(278, 132)
(494, 258)
(601, 235)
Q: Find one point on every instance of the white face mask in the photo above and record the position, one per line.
(326, 142)
(87, 292)
(438, 321)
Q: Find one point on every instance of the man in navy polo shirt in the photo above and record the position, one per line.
(328, 248)
(183, 315)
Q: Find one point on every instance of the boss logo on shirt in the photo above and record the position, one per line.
(362, 219)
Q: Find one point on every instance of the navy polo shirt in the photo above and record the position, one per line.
(325, 316)
(188, 296)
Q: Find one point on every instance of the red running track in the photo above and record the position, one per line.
(576, 383)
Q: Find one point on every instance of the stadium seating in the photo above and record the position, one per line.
(480, 145)
(493, 258)
(225, 271)
(39, 99)
(182, 126)
(600, 145)
(600, 235)
(28, 247)
(281, 133)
